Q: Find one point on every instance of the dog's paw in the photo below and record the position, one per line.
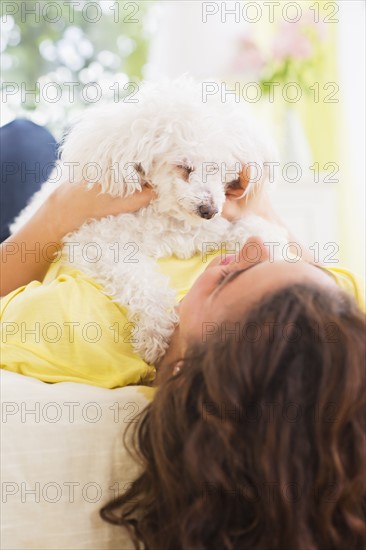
(152, 347)
(152, 337)
(271, 234)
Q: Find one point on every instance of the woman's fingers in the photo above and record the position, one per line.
(140, 199)
(70, 205)
(106, 204)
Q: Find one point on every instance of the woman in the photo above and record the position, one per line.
(255, 438)
(57, 324)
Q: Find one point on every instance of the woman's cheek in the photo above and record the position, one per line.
(192, 307)
(190, 324)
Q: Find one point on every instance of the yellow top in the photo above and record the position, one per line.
(66, 330)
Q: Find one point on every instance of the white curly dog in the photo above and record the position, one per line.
(190, 151)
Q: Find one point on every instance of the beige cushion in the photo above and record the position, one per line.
(63, 461)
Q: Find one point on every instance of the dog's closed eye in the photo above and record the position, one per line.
(184, 170)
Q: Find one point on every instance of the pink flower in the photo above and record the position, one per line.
(290, 41)
(321, 28)
(249, 59)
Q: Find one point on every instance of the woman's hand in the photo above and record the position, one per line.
(66, 209)
(70, 205)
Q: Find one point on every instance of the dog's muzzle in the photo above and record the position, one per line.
(207, 211)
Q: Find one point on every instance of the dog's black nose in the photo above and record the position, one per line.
(206, 211)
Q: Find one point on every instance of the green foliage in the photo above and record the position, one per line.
(77, 42)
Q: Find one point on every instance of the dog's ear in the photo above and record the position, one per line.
(124, 178)
(101, 149)
(239, 187)
(140, 171)
(245, 178)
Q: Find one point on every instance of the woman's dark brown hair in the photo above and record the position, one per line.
(258, 443)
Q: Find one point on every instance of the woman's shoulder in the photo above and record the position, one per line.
(66, 328)
(350, 282)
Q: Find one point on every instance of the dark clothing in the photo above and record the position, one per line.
(27, 155)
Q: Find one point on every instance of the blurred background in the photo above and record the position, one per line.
(299, 65)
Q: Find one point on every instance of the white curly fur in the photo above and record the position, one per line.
(126, 144)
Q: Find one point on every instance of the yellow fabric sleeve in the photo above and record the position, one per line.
(349, 282)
